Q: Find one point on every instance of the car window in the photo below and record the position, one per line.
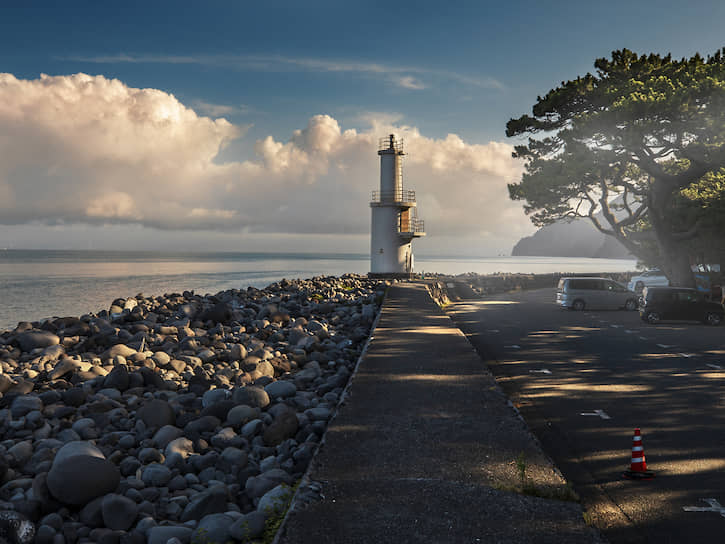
(687, 296)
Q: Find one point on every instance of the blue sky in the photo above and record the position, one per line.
(461, 68)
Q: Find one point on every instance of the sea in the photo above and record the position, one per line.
(38, 284)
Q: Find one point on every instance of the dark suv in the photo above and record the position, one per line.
(678, 303)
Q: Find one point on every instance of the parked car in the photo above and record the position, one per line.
(650, 278)
(594, 293)
(678, 303)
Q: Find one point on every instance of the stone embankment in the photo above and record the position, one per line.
(179, 418)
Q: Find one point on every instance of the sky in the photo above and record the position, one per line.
(251, 126)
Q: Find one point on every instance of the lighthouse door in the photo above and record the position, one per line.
(405, 221)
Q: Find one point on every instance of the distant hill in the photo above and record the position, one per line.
(576, 239)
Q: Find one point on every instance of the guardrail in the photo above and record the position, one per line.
(403, 195)
(389, 142)
(413, 226)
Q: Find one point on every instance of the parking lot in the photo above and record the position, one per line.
(584, 380)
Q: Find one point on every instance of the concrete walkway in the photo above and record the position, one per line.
(427, 449)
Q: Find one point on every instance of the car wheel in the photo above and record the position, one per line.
(652, 317)
(630, 305)
(638, 287)
(713, 319)
(578, 305)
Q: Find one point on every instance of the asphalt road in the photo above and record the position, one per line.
(584, 380)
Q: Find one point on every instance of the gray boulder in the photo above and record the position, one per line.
(248, 527)
(212, 501)
(156, 413)
(253, 396)
(119, 512)
(213, 528)
(31, 340)
(275, 501)
(281, 389)
(78, 479)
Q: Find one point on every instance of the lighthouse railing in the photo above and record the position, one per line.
(403, 195)
(412, 226)
(385, 143)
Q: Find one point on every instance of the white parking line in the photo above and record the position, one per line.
(716, 367)
(664, 346)
(687, 355)
(541, 371)
(715, 506)
(514, 346)
(600, 413)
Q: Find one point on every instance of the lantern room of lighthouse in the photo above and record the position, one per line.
(394, 216)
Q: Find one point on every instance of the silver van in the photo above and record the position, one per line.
(594, 294)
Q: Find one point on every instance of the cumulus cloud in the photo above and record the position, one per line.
(87, 149)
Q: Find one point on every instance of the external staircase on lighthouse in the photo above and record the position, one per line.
(394, 216)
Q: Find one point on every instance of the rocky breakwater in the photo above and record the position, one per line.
(178, 418)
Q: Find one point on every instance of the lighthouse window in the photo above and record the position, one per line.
(381, 251)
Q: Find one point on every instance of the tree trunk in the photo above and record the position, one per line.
(675, 257)
(676, 266)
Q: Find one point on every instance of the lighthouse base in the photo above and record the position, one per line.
(391, 275)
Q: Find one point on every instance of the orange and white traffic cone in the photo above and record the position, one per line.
(638, 467)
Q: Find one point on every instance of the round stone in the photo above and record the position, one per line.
(239, 415)
(281, 389)
(156, 475)
(156, 413)
(166, 434)
(119, 512)
(275, 500)
(36, 339)
(213, 528)
(79, 479)
(22, 404)
(181, 446)
(253, 396)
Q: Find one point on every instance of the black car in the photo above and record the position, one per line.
(678, 303)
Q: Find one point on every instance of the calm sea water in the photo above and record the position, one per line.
(37, 284)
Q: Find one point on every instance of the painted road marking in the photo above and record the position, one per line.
(687, 355)
(715, 506)
(514, 346)
(643, 338)
(600, 413)
(627, 331)
(493, 330)
(542, 371)
(664, 346)
(616, 326)
(716, 367)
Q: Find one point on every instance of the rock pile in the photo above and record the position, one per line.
(179, 417)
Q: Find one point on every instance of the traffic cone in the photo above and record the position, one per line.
(638, 467)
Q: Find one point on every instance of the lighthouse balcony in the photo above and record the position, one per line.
(412, 228)
(402, 198)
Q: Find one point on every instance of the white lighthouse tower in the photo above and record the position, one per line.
(394, 216)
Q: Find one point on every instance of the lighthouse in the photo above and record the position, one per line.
(394, 216)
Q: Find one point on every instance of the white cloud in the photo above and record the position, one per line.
(401, 76)
(87, 149)
(219, 110)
